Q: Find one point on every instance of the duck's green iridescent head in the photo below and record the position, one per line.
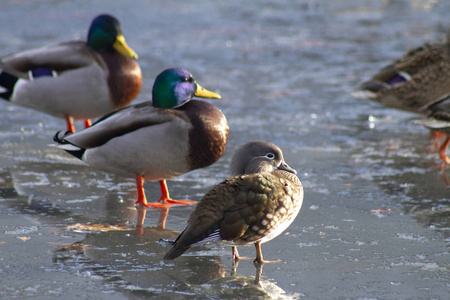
(105, 33)
(174, 87)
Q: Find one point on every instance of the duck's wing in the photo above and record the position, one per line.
(8, 69)
(420, 63)
(422, 57)
(442, 104)
(58, 58)
(122, 122)
(414, 61)
(205, 222)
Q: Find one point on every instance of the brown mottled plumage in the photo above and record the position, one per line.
(414, 81)
(253, 207)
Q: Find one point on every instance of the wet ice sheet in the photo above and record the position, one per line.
(373, 223)
(27, 268)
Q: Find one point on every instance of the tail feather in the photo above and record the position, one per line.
(70, 148)
(10, 76)
(7, 83)
(13, 72)
(175, 252)
(433, 124)
(178, 248)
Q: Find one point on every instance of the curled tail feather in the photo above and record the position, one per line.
(7, 83)
(70, 148)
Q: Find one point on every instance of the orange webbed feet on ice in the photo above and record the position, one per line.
(142, 200)
(165, 198)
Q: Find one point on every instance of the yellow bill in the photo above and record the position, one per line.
(121, 46)
(204, 93)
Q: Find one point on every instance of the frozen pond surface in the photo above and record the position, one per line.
(375, 219)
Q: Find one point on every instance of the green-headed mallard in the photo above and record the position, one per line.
(254, 206)
(439, 121)
(155, 140)
(413, 81)
(75, 80)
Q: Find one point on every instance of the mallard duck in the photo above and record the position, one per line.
(75, 80)
(155, 140)
(413, 81)
(439, 121)
(254, 206)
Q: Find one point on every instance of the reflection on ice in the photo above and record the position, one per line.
(22, 230)
(133, 265)
(239, 286)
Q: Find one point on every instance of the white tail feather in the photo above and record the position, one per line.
(68, 147)
(432, 123)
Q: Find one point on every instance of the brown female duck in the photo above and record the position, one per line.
(254, 206)
(413, 81)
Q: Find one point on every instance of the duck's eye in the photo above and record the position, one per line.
(188, 79)
(270, 155)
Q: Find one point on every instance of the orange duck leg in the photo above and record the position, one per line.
(442, 150)
(69, 121)
(165, 198)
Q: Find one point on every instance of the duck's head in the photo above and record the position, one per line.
(258, 157)
(105, 33)
(174, 87)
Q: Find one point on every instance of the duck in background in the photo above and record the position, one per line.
(257, 204)
(412, 82)
(75, 80)
(156, 140)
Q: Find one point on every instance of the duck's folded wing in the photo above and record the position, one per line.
(231, 207)
(211, 210)
(204, 223)
(418, 58)
(442, 104)
(421, 60)
(8, 69)
(386, 74)
(58, 57)
(120, 123)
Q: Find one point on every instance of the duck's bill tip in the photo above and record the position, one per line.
(285, 167)
(204, 93)
(121, 46)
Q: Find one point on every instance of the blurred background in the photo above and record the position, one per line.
(375, 218)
